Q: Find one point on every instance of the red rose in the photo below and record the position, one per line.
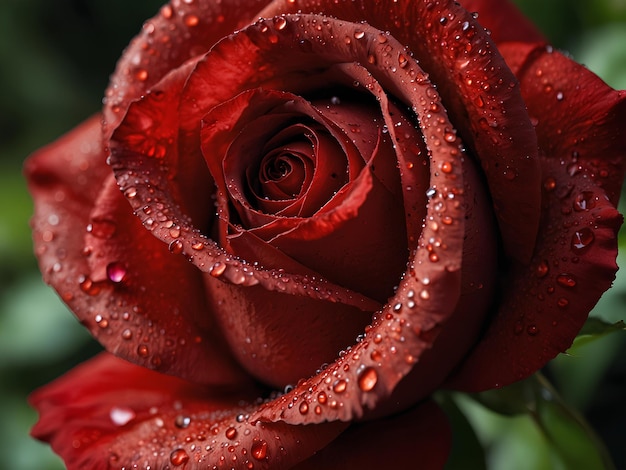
(355, 204)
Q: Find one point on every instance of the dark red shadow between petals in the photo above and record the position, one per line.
(417, 438)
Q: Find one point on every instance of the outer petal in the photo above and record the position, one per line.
(108, 413)
(579, 124)
(149, 319)
(181, 31)
(579, 119)
(504, 20)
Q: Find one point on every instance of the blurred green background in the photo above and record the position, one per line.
(56, 57)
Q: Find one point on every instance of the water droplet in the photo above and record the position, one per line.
(116, 272)
(230, 433)
(102, 228)
(562, 302)
(142, 350)
(367, 379)
(127, 334)
(131, 192)
(121, 415)
(582, 239)
(182, 421)
(446, 167)
(176, 247)
(141, 75)
(340, 386)
(102, 322)
(549, 184)
(166, 12)
(532, 330)
(303, 408)
(191, 20)
(542, 269)
(584, 201)
(179, 457)
(566, 280)
(358, 34)
(217, 269)
(280, 23)
(402, 61)
(259, 449)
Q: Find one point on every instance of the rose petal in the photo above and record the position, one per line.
(478, 91)
(180, 31)
(428, 295)
(418, 438)
(504, 20)
(546, 303)
(103, 282)
(583, 125)
(116, 414)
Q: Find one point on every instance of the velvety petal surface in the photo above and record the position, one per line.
(96, 254)
(180, 31)
(545, 304)
(504, 20)
(361, 376)
(118, 415)
(479, 92)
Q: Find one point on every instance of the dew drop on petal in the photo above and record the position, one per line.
(142, 350)
(116, 272)
(259, 449)
(367, 379)
(532, 330)
(230, 433)
(182, 421)
(121, 416)
(179, 457)
(549, 184)
(582, 239)
(584, 201)
(280, 23)
(102, 228)
(303, 408)
(566, 280)
(340, 386)
(542, 269)
(176, 247)
(217, 269)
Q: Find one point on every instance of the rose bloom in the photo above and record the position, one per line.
(295, 220)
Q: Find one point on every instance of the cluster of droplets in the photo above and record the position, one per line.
(215, 440)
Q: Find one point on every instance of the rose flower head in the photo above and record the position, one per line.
(293, 221)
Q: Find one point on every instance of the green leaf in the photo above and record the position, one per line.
(467, 452)
(570, 442)
(595, 328)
